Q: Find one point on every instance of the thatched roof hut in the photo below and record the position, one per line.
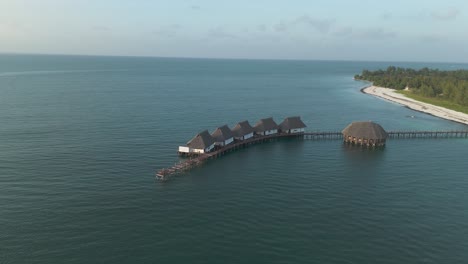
(292, 125)
(223, 136)
(266, 126)
(243, 130)
(202, 142)
(365, 133)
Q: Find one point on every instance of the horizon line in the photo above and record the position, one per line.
(220, 58)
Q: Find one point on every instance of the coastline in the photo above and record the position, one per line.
(391, 95)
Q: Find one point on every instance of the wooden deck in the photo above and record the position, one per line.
(195, 161)
(394, 134)
(322, 135)
(427, 134)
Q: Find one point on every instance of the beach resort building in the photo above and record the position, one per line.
(365, 134)
(243, 130)
(266, 127)
(292, 125)
(223, 136)
(201, 143)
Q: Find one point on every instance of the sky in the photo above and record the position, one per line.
(396, 30)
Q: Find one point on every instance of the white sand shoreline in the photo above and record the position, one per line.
(391, 95)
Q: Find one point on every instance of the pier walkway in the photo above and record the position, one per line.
(428, 134)
(195, 161)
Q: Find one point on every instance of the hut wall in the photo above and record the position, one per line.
(244, 137)
(184, 149)
(201, 151)
(228, 141)
(248, 136)
(225, 142)
(270, 132)
(210, 148)
(219, 143)
(296, 130)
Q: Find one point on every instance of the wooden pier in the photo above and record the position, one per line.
(195, 161)
(323, 135)
(199, 159)
(427, 134)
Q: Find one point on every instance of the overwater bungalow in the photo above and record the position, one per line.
(292, 125)
(223, 136)
(243, 130)
(201, 143)
(266, 127)
(365, 134)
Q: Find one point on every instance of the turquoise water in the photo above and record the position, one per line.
(81, 138)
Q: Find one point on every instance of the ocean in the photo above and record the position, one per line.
(81, 138)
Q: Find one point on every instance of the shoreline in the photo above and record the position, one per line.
(438, 111)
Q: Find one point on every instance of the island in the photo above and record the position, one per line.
(440, 93)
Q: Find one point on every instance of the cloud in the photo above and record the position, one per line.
(101, 28)
(386, 16)
(430, 38)
(376, 34)
(321, 25)
(175, 26)
(441, 15)
(281, 26)
(164, 33)
(169, 31)
(262, 28)
(220, 33)
(343, 32)
(446, 14)
(10, 28)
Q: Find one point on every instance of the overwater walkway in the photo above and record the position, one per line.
(195, 161)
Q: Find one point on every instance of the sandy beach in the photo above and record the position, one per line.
(391, 95)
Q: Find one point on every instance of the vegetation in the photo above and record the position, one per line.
(446, 88)
(436, 101)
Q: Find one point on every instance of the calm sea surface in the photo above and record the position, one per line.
(81, 139)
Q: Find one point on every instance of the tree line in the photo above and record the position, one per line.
(449, 85)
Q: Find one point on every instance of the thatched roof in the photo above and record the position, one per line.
(242, 128)
(265, 125)
(222, 133)
(201, 141)
(367, 130)
(292, 122)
